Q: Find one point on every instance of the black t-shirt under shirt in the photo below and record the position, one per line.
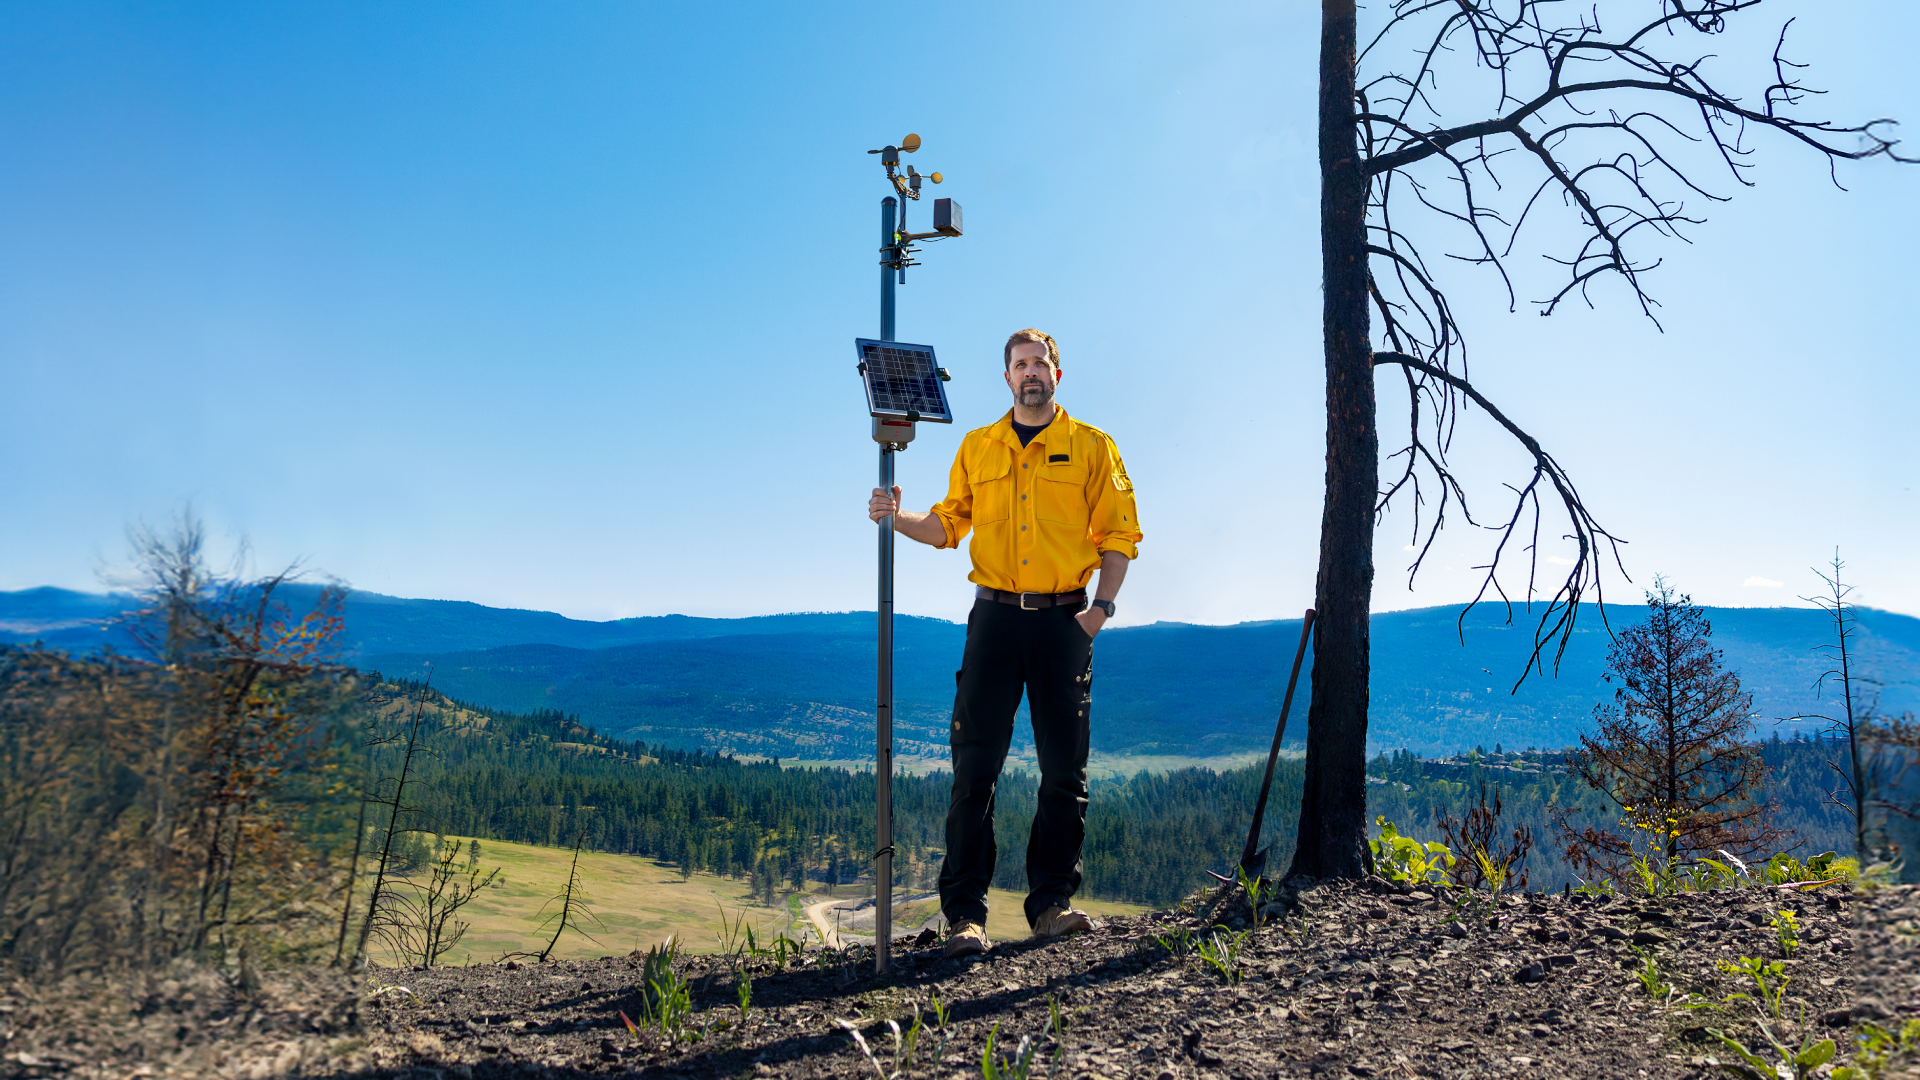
(1028, 431)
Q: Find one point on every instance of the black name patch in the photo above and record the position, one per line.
(1056, 457)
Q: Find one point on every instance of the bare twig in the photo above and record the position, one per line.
(1613, 129)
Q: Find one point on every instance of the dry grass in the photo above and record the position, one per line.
(639, 902)
(1099, 766)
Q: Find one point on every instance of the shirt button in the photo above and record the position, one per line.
(1023, 464)
(1023, 498)
(1023, 528)
(1023, 562)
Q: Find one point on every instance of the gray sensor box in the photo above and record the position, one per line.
(946, 217)
(893, 432)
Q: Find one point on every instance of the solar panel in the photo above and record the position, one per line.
(903, 381)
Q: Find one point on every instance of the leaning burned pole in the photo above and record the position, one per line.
(1253, 857)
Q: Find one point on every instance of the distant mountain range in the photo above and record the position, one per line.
(801, 685)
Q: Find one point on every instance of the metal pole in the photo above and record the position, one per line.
(883, 737)
(890, 254)
(883, 706)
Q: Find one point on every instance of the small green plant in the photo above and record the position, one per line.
(1706, 874)
(743, 994)
(1787, 927)
(904, 1044)
(1769, 978)
(1301, 930)
(666, 998)
(940, 1024)
(1017, 1067)
(1402, 858)
(1657, 875)
(1601, 888)
(1178, 942)
(1784, 869)
(735, 935)
(1798, 1062)
(1492, 869)
(1656, 872)
(784, 948)
(1250, 888)
(1652, 980)
(1057, 1023)
(1222, 953)
(1876, 1050)
(739, 939)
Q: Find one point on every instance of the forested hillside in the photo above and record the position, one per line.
(545, 778)
(1197, 691)
(801, 685)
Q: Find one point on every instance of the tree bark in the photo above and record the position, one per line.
(1333, 805)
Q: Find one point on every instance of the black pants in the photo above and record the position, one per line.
(1046, 654)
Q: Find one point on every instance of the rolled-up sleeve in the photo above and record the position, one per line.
(956, 510)
(1114, 520)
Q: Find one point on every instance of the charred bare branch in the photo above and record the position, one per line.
(1588, 535)
(1613, 128)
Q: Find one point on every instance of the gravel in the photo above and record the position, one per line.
(1361, 980)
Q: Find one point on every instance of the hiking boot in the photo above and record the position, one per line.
(1060, 921)
(966, 939)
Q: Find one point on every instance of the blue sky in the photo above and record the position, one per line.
(551, 306)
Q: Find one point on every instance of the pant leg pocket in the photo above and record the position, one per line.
(1083, 679)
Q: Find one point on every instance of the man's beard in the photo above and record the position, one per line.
(1034, 395)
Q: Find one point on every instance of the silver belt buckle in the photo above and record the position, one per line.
(1023, 601)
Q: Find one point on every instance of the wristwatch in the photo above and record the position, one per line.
(1103, 605)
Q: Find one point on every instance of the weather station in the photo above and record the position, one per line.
(905, 385)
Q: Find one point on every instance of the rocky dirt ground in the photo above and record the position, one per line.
(1364, 980)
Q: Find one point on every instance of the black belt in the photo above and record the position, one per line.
(1031, 601)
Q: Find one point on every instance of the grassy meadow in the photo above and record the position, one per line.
(638, 902)
(1099, 766)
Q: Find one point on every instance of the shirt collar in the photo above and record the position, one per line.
(1058, 434)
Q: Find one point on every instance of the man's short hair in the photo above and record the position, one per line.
(1022, 337)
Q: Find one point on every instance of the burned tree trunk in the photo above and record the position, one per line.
(1600, 125)
(1333, 808)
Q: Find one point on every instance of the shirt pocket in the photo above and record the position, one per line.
(990, 477)
(1060, 495)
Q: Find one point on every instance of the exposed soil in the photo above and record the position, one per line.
(1363, 981)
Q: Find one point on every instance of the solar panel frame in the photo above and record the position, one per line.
(902, 381)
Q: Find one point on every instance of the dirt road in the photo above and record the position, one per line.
(817, 914)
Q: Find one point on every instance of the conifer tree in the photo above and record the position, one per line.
(1671, 752)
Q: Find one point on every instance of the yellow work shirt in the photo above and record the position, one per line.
(1040, 514)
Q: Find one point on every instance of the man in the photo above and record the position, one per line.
(1048, 501)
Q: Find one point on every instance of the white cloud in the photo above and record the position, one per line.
(1765, 583)
(1558, 561)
